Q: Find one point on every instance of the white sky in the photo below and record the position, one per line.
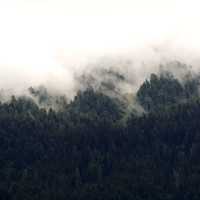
(44, 35)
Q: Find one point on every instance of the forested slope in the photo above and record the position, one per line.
(86, 150)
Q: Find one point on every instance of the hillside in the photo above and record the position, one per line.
(90, 148)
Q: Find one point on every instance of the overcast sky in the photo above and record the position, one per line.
(45, 35)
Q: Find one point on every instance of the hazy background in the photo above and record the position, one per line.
(48, 41)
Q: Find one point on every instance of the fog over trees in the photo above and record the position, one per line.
(103, 143)
(99, 100)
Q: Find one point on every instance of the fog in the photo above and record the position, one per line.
(51, 42)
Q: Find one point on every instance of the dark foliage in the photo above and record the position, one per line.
(84, 151)
(165, 90)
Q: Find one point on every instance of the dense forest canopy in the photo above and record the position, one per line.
(100, 145)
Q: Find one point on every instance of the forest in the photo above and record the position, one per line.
(99, 147)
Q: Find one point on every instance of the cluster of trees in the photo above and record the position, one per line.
(165, 90)
(87, 151)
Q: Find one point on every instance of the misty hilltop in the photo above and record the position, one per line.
(99, 100)
(110, 141)
(173, 82)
